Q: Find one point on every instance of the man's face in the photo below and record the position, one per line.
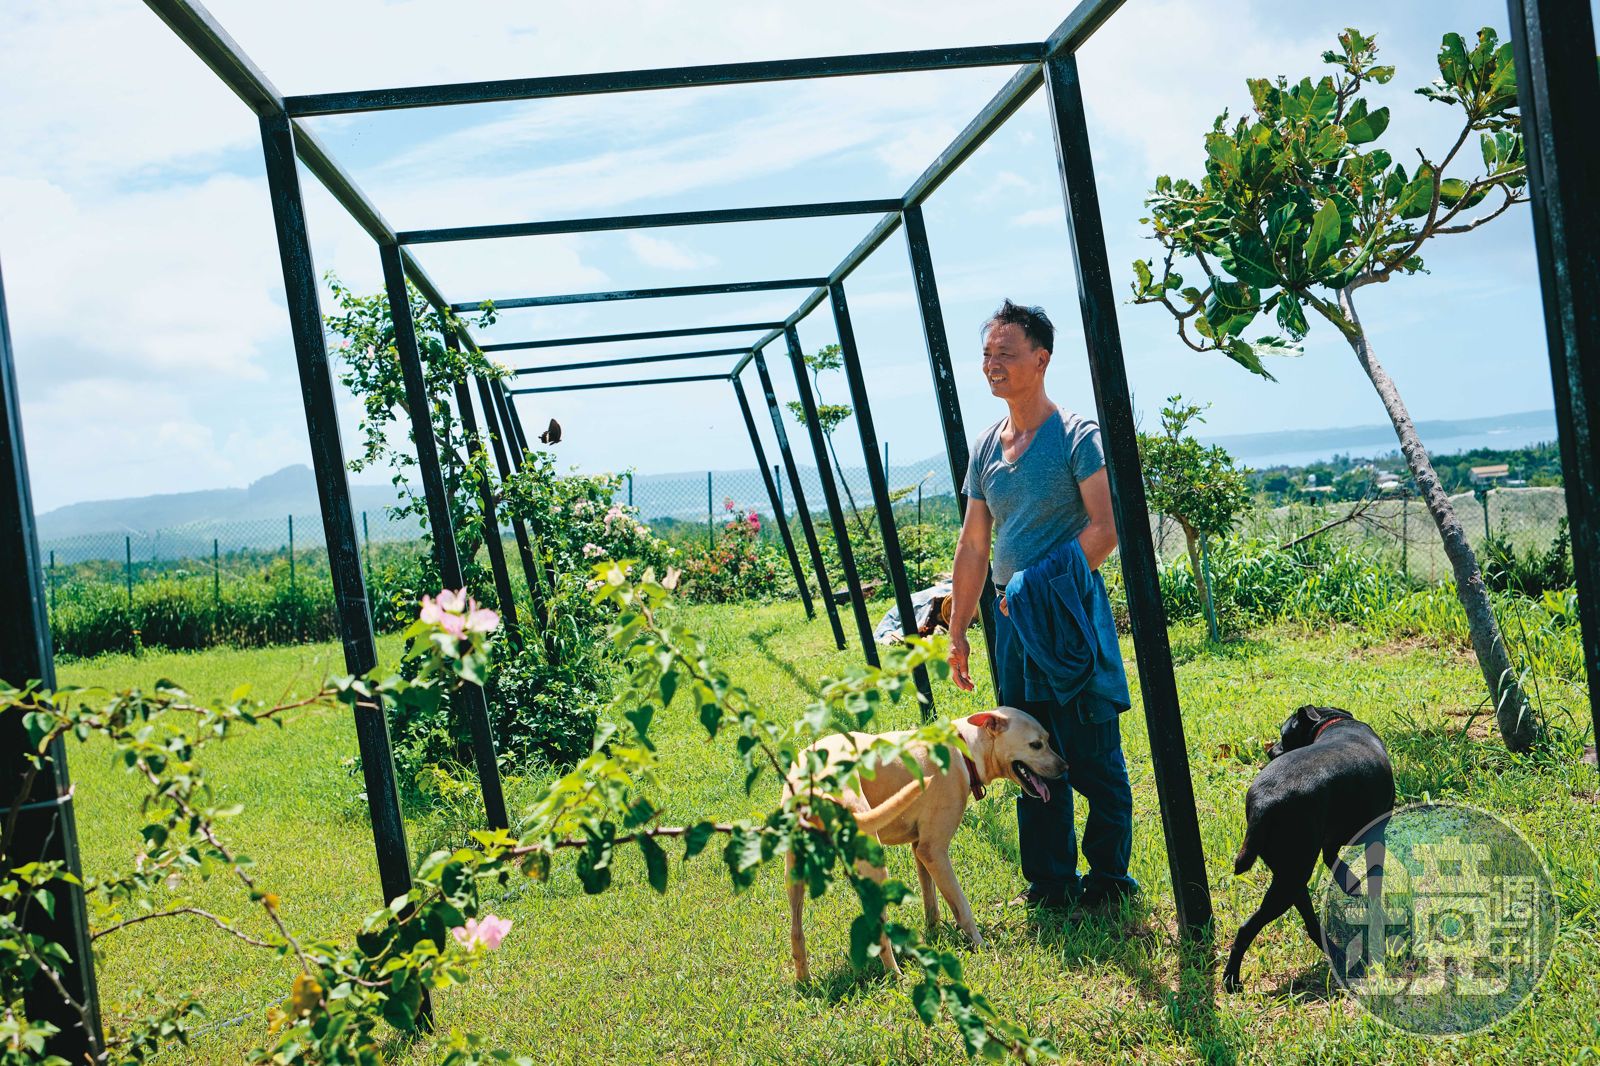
(1012, 364)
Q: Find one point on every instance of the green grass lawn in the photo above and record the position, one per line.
(702, 975)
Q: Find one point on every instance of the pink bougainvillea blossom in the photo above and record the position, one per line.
(453, 600)
(755, 522)
(432, 613)
(482, 620)
(486, 932)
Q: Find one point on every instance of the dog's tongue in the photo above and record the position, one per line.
(1042, 788)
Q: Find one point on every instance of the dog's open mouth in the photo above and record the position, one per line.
(1031, 782)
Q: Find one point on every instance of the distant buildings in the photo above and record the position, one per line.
(1491, 475)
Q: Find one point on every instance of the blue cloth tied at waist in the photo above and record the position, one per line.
(1062, 616)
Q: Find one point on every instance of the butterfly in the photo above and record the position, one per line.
(551, 435)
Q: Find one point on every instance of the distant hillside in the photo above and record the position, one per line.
(292, 490)
(1294, 447)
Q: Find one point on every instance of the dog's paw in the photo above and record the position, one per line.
(1231, 983)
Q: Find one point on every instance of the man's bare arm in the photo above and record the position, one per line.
(1099, 538)
(969, 573)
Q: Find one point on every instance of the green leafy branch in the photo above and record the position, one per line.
(1293, 200)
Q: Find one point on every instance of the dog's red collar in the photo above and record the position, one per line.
(972, 777)
(1325, 725)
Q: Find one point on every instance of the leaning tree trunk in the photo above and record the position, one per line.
(1512, 713)
(839, 469)
(1192, 543)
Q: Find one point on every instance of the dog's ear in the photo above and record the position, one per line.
(990, 721)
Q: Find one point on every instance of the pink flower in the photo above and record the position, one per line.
(727, 503)
(593, 550)
(754, 520)
(454, 624)
(482, 620)
(431, 612)
(486, 932)
(453, 600)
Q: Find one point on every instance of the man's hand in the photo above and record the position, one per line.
(960, 652)
(966, 584)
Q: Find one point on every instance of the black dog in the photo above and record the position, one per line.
(1326, 780)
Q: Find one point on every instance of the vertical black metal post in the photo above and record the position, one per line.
(947, 398)
(1169, 754)
(46, 828)
(216, 573)
(513, 422)
(439, 522)
(487, 393)
(1559, 92)
(711, 516)
(291, 554)
(778, 517)
(333, 491)
(366, 542)
(777, 481)
(878, 479)
(491, 520)
(52, 580)
(127, 569)
(824, 589)
(830, 493)
(630, 488)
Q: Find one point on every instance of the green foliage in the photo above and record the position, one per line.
(1198, 486)
(343, 996)
(739, 567)
(1532, 573)
(366, 348)
(1297, 198)
(254, 606)
(829, 415)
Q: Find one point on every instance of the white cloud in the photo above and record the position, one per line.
(1039, 216)
(142, 269)
(662, 253)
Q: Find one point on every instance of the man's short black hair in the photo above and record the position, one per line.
(1035, 324)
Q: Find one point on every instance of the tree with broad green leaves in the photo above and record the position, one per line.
(1299, 210)
(1198, 487)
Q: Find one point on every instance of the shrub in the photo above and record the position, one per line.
(739, 567)
(1532, 573)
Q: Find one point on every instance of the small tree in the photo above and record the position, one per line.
(1297, 210)
(1198, 487)
(371, 370)
(829, 415)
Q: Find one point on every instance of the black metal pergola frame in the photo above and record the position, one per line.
(1560, 92)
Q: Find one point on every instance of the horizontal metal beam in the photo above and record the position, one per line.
(651, 335)
(617, 384)
(629, 361)
(1084, 20)
(483, 92)
(1079, 26)
(643, 294)
(207, 39)
(650, 221)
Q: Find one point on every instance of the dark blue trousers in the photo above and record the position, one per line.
(1095, 770)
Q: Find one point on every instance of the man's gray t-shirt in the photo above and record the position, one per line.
(1036, 503)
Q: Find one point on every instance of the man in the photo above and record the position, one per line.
(1037, 493)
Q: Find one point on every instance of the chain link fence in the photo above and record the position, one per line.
(218, 552)
(267, 580)
(1400, 528)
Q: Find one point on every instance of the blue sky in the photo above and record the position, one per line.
(146, 301)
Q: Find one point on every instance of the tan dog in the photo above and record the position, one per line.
(897, 808)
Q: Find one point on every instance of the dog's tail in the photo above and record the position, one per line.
(1246, 857)
(883, 815)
